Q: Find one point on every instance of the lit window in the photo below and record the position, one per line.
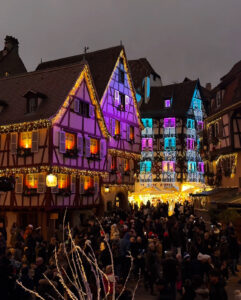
(94, 146)
(201, 167)
(70, 140)
(147, 122)
(113, 163)
(190, 123)
(167, 103)
(190, 144)
(31, 181)
(145, 166)
(88, 183)
(200, 125)
(168, 166)
(63, 181)
(26, 139)
(147, 144)
(191, 166)
(117, 127)
(197, 104)
(126, 165)
(169, 122)
(170, 143)
(131, 133)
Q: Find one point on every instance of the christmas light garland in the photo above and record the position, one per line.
(124, 154)
(25, 126)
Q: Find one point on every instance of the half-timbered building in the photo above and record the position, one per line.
(53, 145)
(222, 147)
(116, 93)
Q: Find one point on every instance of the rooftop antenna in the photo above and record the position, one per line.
(121, 43)
(86, 48)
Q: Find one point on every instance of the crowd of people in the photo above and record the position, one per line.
(174, 257)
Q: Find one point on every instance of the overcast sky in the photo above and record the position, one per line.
(193, 38)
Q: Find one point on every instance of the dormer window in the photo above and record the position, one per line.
(167, 103)
(32, 105)
(34, 99)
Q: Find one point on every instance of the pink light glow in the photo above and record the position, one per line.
(190, 144)
(200, 125)
(147, 144)
(169, 122)
(168, 166)
(201, 167)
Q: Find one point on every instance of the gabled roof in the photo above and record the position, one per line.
(234, 71)
(101, 65)
(140, 68)
(181, 95)
(55, 83)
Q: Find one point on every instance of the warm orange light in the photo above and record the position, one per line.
(51, 180)
(127, 166)
(131, 133)
(89, 182)
(32, 181)
(117, 127)
(63, 181)
(113, 163)
(26, 139)
(70, 141)
(94, 146)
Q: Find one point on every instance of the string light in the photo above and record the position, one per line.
(25, 126)
(232, 157)
(124, 154)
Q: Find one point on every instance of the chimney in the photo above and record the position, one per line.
(10, 43)
(208, 86)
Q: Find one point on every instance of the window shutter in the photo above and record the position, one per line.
(91, 111)
(117, 98)
(87, 147)
(80, 144)
(127, 132)
(76, 105)
(62, 148)
(35, 141)
(41, 183)
(13, 142)
(96, 184)
(19, 184)
(102, 149)
(112, 127)
(73, 184)
(81, 185)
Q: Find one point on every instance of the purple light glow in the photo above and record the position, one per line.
(190, 144)
(201, 167)
(200, 125)
(147, 144)
(169, 122)
(168, 103)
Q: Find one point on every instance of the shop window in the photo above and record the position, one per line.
(70, 141)
(190, 144)
(190, 123)
(168, 166)
(169, 122)
(170, 143)
(94, 146)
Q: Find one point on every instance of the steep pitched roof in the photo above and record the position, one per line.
(181, 95)
(101, 65)
(54, 83)
(234, 71)
(140, 68)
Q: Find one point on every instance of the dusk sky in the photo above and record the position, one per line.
(193, 38)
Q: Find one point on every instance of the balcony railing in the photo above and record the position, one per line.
(169, 155)
(147, 131)
(191, 155)
(168, 176)
(195, 177)
(147, 155)
(191, 132)
(169, 131)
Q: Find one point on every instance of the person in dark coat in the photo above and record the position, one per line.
(216, 290)
(151, 266)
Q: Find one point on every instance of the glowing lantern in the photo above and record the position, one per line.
(51, 180)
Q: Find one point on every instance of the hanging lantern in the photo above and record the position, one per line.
(107, 189)
(51, 180)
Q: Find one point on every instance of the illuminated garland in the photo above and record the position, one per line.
(233, 157)
(26, 126)
(124, 154)
(213, 122)
(85, 74)
(54, 169)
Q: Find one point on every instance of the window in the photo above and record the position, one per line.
(197, 104)
(26, 139)
(83, 109)
(121, 76)
(200, 125)
(126, 165)
(216, 129)
(190, 123)
(169, 122)
(113, 163)
(32, 104)
(31, 181)
(147, 144)
(94, 146)
(70, 141)
(168, 166)
(88, 183)
(190, 144)
(147, 123)
(219, 98)
(122, 101)
(167, 103)
(117, 127)
(63, 181)
(145, 166)
(191, 166)
(170, 143)
(131, 133)
(201, 167)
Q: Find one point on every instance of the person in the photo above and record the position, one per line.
(151, 267)
(216, 290)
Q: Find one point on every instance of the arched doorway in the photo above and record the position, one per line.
(121, 200)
